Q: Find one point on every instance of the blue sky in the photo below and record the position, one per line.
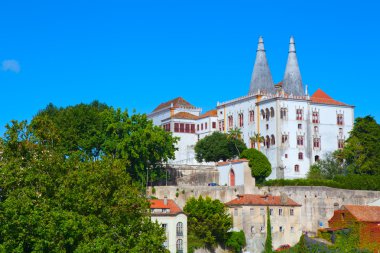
(137, 54)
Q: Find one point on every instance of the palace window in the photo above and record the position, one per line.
(192, 128)
(176, 127)
(267, 114)
(221, 125)
(340, 143)
(280, 211)
(230, 121)
(251, 116)
(263, 114)
(300, 140)
(272, 140)
(166, 127)
(299, 113)
(284, 138)
(202, 126)
(299, 126)
(206, 125)
(296, 168)
(241, 119)
(339, 119)
(271, 211)
(271, 112)
(179, 246)
(267, 141)
(197, 127)
(284, 113)
(179, 229)
(281, 229)
(213, 125)
(315, 117)
(291, 212)
(316, 142)
(316, 129)
(300, 156)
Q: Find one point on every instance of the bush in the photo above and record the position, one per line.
(259, 164)
(236, 241)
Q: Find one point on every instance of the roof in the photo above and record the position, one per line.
(364, 213)
(231, 162)
(177, 102)
(184, 115)
(320, 97)
(160, 204)
(211, 113)
(261, 200)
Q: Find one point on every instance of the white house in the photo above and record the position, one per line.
(236, 173)
(167, 213)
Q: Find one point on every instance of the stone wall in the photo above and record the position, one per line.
(318, 202)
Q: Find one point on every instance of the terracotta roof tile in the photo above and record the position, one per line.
(260, 200)
(184, 115)
(177, 102)
(160, 204)
(320, 97)
(211, 113)
(364, 213)
(232, 161)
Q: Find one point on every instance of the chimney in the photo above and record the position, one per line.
(166, 200)
(283, 198)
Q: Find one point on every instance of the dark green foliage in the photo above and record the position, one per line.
(362, 152)
(327, 168)
(51, 202)
(268, 248)
(301, 246)
(236, 241)
(208, 222)
(95, 131)
(218, 146)
(259, 164)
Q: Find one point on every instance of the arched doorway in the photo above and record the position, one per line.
(232, 177)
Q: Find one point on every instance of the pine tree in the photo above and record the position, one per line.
(268, 241)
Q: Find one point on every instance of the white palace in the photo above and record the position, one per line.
(296, 129)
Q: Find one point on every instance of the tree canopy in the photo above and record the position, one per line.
(53, 200)
(96, 130)
(218, 146)
(259, 164)
(208, 222)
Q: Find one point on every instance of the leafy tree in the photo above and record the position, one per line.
(96, 130)
(51, 202)
(301, 246)
(268, 248)
(218, 146)
(208, 222)
(361, 152)
(236, 241)
(257, 139)
(259, 164)
(327, 168)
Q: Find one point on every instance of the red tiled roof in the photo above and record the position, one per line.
(177, 102)
(364, 213)
(320, 97)
(211, 113)
(159, 204)
(184, 115)
(232, 161)
(261, 200)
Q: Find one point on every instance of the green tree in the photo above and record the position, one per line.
(236, 241)
(51, 202)
(259, 164)
(268, 248)
(218, 146)
(361, 152)
(95, 131)
(327, 168)
(257, 139)
(208, 222)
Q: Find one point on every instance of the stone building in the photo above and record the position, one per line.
(167, 213)
(249, 213)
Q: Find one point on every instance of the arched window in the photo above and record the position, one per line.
(271, 112)
(296, 168)
(179, 229)
(263, 114)
(179, 246)
(300, 156)
(272, 140)
(316, 158)
(267, 114)
(232, 177)
(267, 141)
